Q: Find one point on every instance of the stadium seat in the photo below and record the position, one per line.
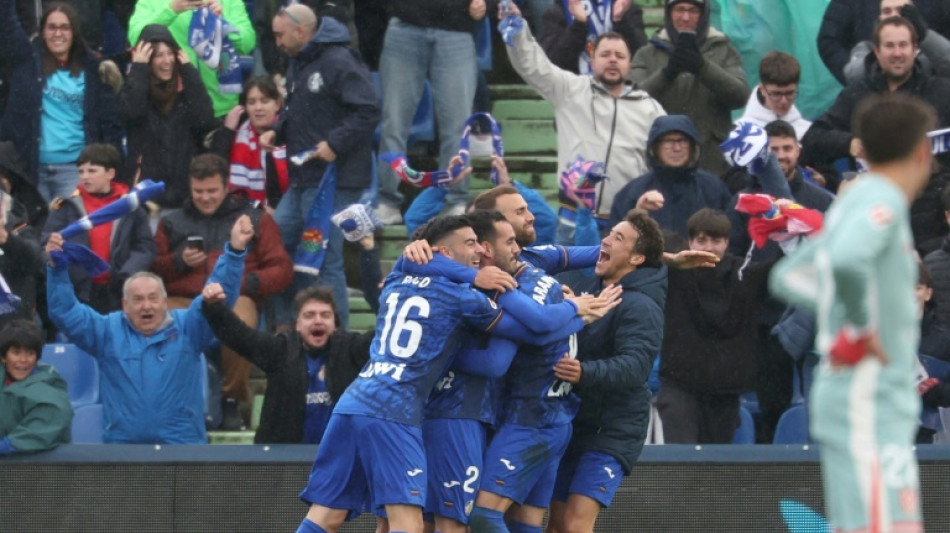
(745, 433)
(792, 428)
(78, 368)
(423, 124)
(750, 401)
(87, 424)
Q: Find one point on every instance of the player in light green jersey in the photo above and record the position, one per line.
(858, 277)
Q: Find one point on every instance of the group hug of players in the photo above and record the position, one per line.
(464, 351)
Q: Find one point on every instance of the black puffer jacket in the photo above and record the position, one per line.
(281, 358)
(163, 145)
(938, 262)
(449, 15)
(617, 354)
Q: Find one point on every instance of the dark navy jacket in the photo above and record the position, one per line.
(331, 98)
(685, 189)
(617, 354)
(21, 118)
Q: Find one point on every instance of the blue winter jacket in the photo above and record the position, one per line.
(151, 385)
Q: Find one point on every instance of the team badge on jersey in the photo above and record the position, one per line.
(881, 216)
(315, 82)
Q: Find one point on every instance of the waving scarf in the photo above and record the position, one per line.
(207, 36)
(249, 164)
(312, 249)
(599, 21)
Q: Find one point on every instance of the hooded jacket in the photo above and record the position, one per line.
(159, 12)
(617, 354)
(267, 267)
(757, 114)
(35, 413)
(330, 98)
(710, 341)
(707, 97)
(21, 118)
(590, 122)
(132, 247)
(161, 146)
(151, 386)
(284, 361)
(685, 189)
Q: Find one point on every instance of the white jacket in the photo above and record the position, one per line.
(757, 114)
(590, 122)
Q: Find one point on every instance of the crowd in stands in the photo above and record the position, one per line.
(237, 260)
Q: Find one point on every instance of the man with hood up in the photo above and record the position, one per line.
(693, 69)
(331, 108)
(676, 187)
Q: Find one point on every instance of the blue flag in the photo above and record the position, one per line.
(312, 249)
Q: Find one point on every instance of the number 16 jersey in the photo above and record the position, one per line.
(418, 333)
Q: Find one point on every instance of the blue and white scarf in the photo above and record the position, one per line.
(207, 36)
(312, 249)
(599, 21)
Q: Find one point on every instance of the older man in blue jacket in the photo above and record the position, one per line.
(149, 357)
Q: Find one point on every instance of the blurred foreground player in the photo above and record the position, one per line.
(858, 277)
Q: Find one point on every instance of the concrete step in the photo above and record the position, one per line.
(514, 91)
(529, 136)
(505, 110)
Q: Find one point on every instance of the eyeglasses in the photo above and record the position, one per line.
(670, 141)
(62, 28)
(778, 95)
(288, 14)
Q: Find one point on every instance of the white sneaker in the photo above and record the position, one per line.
(389, 214)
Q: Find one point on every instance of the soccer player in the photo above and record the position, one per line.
(373, 442)
(858, 276)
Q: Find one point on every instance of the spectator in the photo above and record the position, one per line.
(275, 60)
(599, 118)
(314, 363)
(262, 175)
(934, 52)
(938, 263)
(150, 357)
(332, 111)
(177, 15)
(776, 367)
(125, 244)
(676, 187)
(692, 69)
(709, 346)
(830, 137)
(61, 102)
(566, 32)
(29, 209)
(614, 358)
(435, 41)
(35, 414)
(774, 97)
(166, 112)
(935, 344)
(191, 239)
(849, 22)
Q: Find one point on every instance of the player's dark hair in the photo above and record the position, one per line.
(779, 68)
(713, 222)
(487, 199)
(890, 126)
(101, 154)
(483, 222)
(650, 242)
(441, 227)
(21, 333)
(780, 128)
(612, 35)
(205, 166)
(894, 21)
(319, 293)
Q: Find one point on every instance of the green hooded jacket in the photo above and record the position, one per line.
(35, 414)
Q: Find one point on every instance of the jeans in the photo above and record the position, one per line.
(291, 214)
(57, 181)
(410, 55)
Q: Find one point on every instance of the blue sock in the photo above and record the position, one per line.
(521, 527)
(484, 520)
(307, 526)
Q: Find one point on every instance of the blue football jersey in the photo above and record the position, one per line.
(534, 397)
(459, 394)
(417, 334)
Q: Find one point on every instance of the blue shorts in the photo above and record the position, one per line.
(596, 475)
(454, 450)
(521, 463)
(364, 460)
